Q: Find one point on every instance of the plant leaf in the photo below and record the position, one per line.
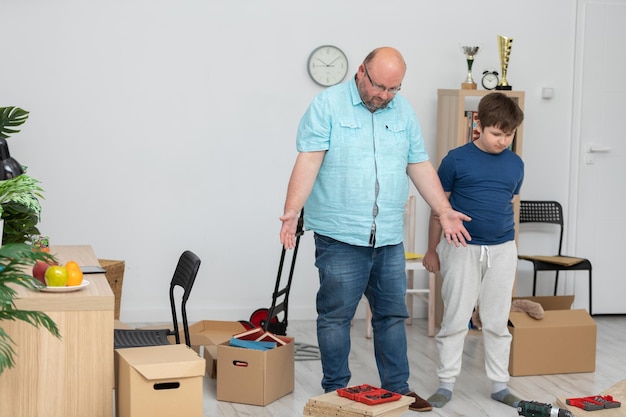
(11, 117)
(6, 351)
(35, 318)
(22, 189)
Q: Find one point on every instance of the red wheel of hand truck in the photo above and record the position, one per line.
(259, 317)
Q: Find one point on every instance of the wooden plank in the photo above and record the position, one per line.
(332, 405)
(559, 260)
(334, 412)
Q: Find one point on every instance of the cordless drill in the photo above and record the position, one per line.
(535, 409)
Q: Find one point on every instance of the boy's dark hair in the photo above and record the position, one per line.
(500, 111)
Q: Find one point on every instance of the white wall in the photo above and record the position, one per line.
(158, 126)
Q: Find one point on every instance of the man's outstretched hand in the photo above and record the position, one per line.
(452, 225)
(288, 229)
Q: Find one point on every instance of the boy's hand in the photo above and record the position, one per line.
(431, 261)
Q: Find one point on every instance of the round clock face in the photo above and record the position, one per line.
(490, 80)
(327, 65)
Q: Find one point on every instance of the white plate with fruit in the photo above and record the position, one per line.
(67, 288)
(59, 278)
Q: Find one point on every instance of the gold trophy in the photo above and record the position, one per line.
(469, 52)
(504, 47)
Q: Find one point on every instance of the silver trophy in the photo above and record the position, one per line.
(469, 52)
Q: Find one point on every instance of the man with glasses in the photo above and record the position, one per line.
(359, 142)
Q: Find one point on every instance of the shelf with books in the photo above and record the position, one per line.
(471, 117)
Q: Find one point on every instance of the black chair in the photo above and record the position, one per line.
(184, 277)
(551, 212)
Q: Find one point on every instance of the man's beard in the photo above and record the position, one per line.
(373, 107)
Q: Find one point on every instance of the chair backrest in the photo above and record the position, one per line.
(184, 277)
(542, 212)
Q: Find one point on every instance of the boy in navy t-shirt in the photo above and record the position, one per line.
(482, 179)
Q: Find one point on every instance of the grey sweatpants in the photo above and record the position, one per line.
(476, 275)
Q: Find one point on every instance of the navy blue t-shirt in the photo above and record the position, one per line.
(482, 185)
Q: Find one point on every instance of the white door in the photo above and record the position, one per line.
(598, 225)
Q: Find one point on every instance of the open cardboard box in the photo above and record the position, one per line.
(159, 381)
(255, 377)
(564, 341)
(209, 334)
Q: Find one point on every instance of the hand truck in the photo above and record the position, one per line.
(267, 318)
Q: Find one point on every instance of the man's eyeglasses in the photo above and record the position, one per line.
(380, 88)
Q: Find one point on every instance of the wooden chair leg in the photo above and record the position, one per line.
(431, 304)
(368, 320)
(410, 275)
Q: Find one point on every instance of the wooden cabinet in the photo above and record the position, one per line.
(452, 123)
(68, 377)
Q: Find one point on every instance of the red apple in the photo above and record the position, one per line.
(39, 270)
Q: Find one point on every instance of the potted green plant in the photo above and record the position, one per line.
(20, 209)
(19, 196)
(15, 260)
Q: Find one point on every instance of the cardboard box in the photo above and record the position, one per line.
(117, 324)
(206, 334)
(210, 356)
(213, 332)
(564, 341)
(209, 334)
(254, 376)
(159, 381)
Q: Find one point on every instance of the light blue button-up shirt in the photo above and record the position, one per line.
(362, 148)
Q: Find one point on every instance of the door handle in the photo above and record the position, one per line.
(598, 149)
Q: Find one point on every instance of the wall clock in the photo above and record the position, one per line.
(327, 65)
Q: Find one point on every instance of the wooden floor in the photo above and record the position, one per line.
(471, 395)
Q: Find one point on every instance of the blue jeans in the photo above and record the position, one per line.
(346, 272)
